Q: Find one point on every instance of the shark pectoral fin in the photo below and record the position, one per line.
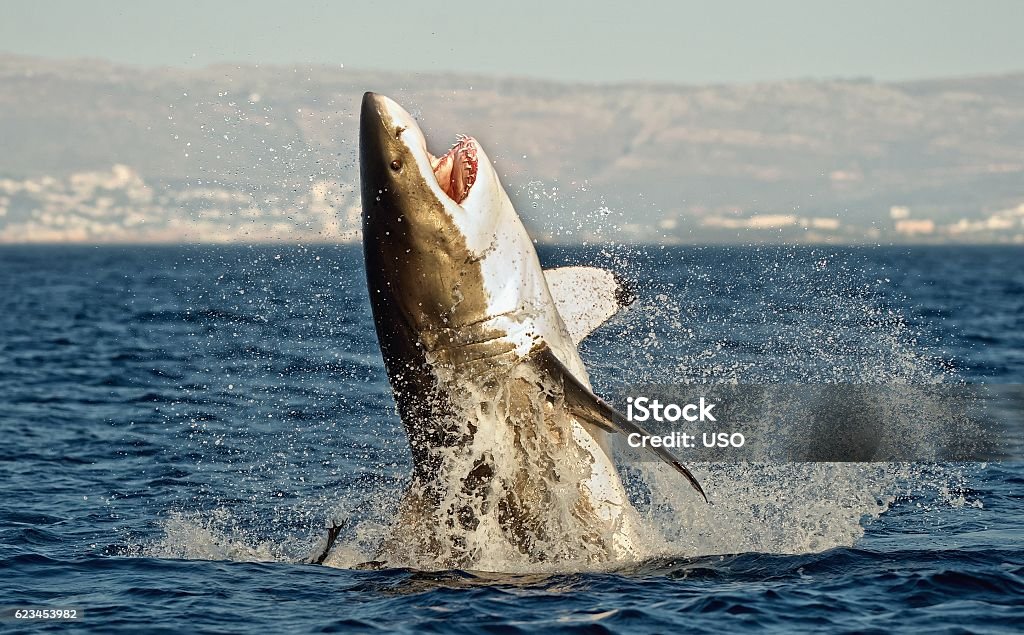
(586, 297)
(586, 406)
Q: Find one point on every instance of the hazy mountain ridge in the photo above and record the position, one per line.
(701, 162)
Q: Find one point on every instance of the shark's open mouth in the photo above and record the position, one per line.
(456, 171)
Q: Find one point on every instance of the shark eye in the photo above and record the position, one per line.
(396, 165)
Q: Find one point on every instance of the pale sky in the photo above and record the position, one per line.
(685, 42)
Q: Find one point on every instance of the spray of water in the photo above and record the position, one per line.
(781, 318)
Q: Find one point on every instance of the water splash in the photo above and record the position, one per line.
(752, 315)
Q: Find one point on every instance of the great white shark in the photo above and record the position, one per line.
(511, 459)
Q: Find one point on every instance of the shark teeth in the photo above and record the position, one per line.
(456, 170)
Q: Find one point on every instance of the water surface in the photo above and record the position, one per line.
(180, 423)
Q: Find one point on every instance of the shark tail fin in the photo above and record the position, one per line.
(586, 406)
(322, 550)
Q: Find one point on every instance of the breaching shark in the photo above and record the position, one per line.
(509, 449)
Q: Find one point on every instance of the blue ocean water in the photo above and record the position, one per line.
(180, 424)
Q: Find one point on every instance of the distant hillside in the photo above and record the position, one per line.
(829, 158)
